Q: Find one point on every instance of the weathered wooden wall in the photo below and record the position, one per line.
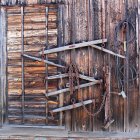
(81, 20)
(34, 72)
(91, 22)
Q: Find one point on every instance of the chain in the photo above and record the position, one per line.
(73, 73)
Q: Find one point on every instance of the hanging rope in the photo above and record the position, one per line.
(125, 29)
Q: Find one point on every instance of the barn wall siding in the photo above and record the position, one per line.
(89, 26)
(81, 20)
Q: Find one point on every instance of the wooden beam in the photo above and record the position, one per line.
(69, 107)
(22, 51)
(59, 44)
(42, 60)
(73, 46)
(31, 5)
(57, 76)
(107, 51)
(91, 79)
(46, 65)
(34, 126)
(67, 89)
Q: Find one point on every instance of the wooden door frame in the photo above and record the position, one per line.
(3, 66)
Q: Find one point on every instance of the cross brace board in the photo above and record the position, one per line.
(91, 79)
(80, 45)
(69, 107)
(73, 46)
(42, 60)
(67, 89)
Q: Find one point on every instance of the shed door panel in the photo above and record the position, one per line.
(39, 31)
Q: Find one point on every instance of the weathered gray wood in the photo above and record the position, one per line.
(4, 65)
(22, 51)
(69, 107)
(42, 60)
(67, 89)
(57, 76)
(46, 82)
(1, 96)
(138, 51)
(73, 46)
(91, 79)
(40, 127)
(107, 51)
(59, 44)
(30, 5)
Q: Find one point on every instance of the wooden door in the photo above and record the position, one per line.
(31, 29)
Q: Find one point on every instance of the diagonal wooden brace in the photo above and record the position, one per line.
(107, 51)
(42, 60)
(73, 46)
(69, 107)
(91, 79)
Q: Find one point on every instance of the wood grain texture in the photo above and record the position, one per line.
(92, 22)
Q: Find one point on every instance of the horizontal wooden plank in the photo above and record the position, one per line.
(44, 127)
(31, 26)
(67, 89)
(73, 46)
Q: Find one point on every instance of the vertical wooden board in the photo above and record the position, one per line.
(110, 33)
(60, 59)
(1, 99)
(67, 59)
(133, 91)
(4, 63)
(97, 64)
(90, 56)
(138, 37)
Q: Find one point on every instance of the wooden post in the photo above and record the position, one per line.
(59, 42)
(3, 86)
(1, 92)
(138, 51)
(22, 59)
(90, 56)
(66, 39)
(46, 82)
